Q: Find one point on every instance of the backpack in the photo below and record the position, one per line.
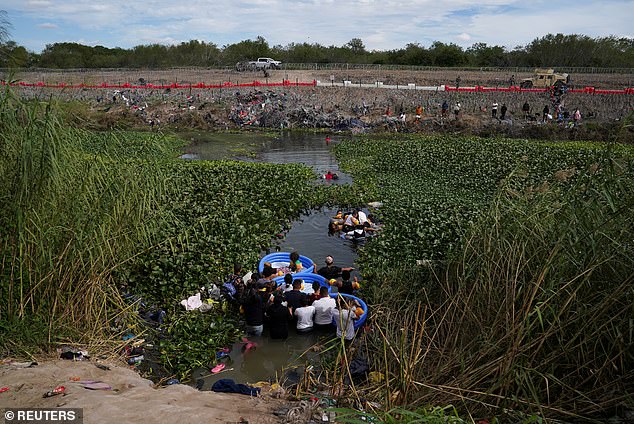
(229, 287)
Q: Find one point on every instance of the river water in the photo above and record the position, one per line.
(308, 235)
(312, 150)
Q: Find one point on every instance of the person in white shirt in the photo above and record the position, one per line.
(351, 221)
(363, 218)
(323, 309)
(365, 221)
(305, 315)
(344, 320)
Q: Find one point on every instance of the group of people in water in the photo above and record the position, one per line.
(279, 308)
(354, 225)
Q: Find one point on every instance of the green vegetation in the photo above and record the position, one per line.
(86, 215)
(525, 301)
(571, 50)
(71, 211)
(435, 415)
(445, 184)
(193, 338)
(502, 282)
(223, 212)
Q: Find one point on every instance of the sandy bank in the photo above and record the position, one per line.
(132, 398)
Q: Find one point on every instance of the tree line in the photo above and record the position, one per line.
(558, 50)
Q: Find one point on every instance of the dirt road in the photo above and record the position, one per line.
(388, 77)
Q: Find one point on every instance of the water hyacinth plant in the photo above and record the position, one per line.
(530, 308)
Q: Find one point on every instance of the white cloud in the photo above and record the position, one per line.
(37, 4)
(521, 27)
(382, 25)
(463, 37)
(48, 25)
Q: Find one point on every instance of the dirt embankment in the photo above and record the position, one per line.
(132, 399)
(351, 109)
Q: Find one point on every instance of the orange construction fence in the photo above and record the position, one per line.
(284, 83)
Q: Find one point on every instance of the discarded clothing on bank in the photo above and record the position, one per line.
(226, 385)
(192, 302)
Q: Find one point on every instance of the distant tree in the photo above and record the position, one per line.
(303, 53)
(356, 45)
(245, 50)
(381, 57)
(414, 54)
(13, 56)
(447, 54)
(149, 56)
(548, 51)
(195, 53)
(480, 54)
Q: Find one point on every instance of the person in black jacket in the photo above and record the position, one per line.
(348, 286)
(253, 311)
(294, 297)
(279, 316)
(331, 270)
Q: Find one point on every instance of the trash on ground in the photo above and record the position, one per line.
(135, 360)
(95, 385)
(217, 368)
(59, 390)
(192, 302)
(73, 354)
(248, 345)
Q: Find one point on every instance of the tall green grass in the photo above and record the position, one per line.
(533, 314)
(68, 217)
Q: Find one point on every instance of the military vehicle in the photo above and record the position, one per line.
(545, 78)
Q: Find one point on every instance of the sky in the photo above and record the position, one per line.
(380, 24)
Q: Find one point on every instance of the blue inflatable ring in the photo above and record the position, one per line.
(309, 278)
(285, 257)
(358, 322)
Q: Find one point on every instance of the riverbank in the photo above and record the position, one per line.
(344, 109)
(131, 398)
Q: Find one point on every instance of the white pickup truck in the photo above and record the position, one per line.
(266, 63)
(263, 63)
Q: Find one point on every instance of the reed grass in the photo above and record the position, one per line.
(533, 314)
(68, 218)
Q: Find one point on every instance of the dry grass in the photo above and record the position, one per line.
(68, 220)
(535, 314)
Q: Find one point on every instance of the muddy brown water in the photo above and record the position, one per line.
(272, 359)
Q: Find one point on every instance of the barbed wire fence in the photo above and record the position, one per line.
(357, 73)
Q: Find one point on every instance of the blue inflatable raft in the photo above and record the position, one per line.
(308, 278)
(283, 259)
(361, 320)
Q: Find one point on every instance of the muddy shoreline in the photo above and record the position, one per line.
(339, 109)
(130, 398)
(348, 109)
